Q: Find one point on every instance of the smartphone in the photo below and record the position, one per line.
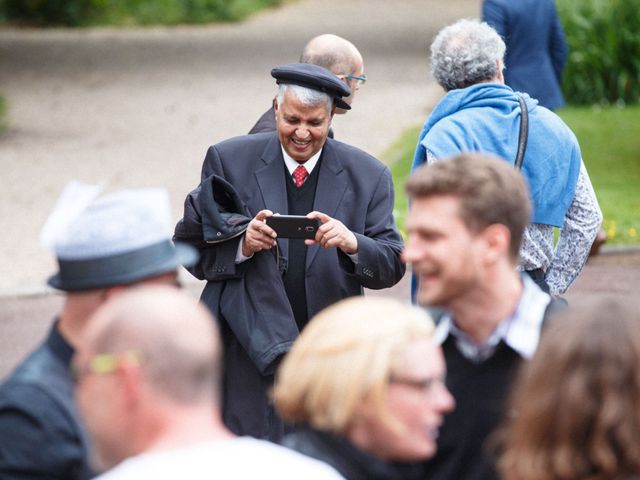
(294, 226)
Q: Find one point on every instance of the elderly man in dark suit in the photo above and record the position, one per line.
(295, 170)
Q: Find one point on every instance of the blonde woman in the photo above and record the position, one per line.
(364, 384)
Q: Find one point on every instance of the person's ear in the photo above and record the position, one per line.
(500, 76)
(497, 239)
(275, 103)
(131, 381)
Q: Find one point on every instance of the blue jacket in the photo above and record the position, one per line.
(536, 48)
(486, 118)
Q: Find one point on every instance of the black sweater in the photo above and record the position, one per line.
(351, 462)
(480, 391)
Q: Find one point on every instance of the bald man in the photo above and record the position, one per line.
(336, 54)
(147, 374)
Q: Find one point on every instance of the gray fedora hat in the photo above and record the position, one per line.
(118, 239)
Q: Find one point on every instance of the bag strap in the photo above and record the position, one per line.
(524, 132)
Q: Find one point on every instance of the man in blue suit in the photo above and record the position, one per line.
(536, 48)
(295, 170)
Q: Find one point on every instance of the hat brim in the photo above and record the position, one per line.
(122, 269)
(338, 102)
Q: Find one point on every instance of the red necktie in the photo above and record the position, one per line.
(300, 174)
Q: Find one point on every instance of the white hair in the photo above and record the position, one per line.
(306, 96)
(466, 53)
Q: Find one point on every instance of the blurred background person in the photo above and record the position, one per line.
(365, 384)
(536, 48)
(336, 54)
(576, 405)
(103, 247)
(536, 54)
(147, 377)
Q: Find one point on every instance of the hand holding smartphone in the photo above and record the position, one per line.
(294, 226)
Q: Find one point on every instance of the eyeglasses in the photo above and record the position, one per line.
(426, 385)
(360, 78)
(104, 363)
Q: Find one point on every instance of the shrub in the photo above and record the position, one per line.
(604, 59)
(75, 13)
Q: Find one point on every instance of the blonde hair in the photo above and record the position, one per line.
(346, 355)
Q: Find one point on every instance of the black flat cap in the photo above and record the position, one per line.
(314, 77)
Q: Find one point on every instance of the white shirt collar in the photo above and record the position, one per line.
(292, 164)
(521, 331)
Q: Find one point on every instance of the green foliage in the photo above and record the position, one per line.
(610, 144)
(75, 13)
(604, 59)
(399, 157)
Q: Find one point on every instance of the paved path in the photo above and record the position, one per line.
(139, 107)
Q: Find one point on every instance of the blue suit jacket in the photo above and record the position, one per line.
(536, 48)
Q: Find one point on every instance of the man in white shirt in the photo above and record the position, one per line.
(465, 228)
(147, 375)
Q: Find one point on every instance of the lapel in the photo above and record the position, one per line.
(330, 188)
(271, 182)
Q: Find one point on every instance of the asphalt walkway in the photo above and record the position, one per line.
(139, 107)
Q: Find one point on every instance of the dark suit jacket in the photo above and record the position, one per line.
(41, 436)
(266, 123)
(536, 48)
(353, 187)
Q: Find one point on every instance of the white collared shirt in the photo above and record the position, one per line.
(520, 331)
(291, 164)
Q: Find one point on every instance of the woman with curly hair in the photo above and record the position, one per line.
(576, 408)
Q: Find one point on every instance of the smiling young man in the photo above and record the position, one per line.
(465, 227)
(296, 170)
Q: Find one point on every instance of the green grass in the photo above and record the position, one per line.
(399, 157)
(4, 122)
(610, 145)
